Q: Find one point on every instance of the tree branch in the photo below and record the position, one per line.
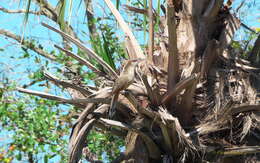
(43, 11)
(27, 43)
(248, 28)
(81, 60)
(137, 10)
(66, 84)
(79, 102)
(43, 95)
(18, 11)
(52, 11)
(49, 11)
(241, 5)
(88, 51)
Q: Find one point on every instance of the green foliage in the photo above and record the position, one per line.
(108, 45)
(244, 46)
(37, 75)
(35, 127)
(26, 16)
(104, 144)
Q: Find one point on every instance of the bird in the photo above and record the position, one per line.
(125, 79)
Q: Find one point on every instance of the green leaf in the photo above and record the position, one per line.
(46, 158)
(19, 156)
(117, 4)
(107, 55)
(26, 16)
(61, 16)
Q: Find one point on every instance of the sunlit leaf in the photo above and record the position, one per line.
(61, 17)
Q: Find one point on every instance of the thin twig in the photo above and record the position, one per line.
(27, 43)
(248, 28)
(18, 11)
(241, 5)
(64, 100)
(136, 10)
(49, 8)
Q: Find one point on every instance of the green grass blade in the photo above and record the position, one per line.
(26, 16)
(61, 16)
(107, 55)
(117, 4)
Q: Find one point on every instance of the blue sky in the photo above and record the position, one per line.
(16, 69)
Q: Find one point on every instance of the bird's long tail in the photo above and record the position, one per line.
(112, 109)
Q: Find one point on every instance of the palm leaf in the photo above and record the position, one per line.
(117, 4)
(107, 55)
(26, 16)
(61, 17)
(101, 47)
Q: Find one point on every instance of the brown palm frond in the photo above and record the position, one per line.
(88, 51)
(196, 94)
(66, 84)
(81, 60)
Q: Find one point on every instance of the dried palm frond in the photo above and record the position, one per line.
(182, 107)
